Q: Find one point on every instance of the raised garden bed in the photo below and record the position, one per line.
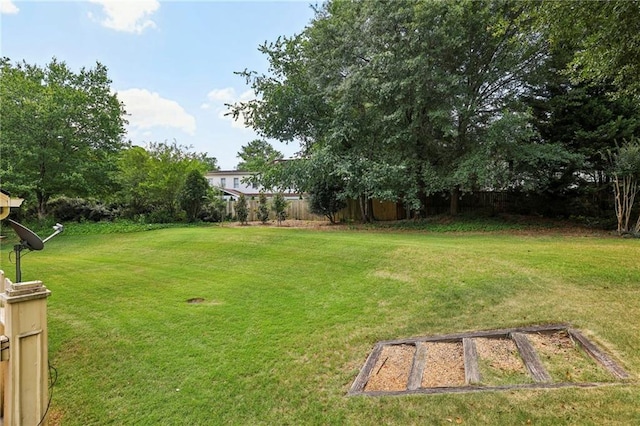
(547, 356)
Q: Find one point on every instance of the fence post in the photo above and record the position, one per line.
(25, 326)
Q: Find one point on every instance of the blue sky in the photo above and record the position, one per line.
(171, 62)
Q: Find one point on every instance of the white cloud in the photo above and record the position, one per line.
(237, 123)
(8, 7)
(220, 97)
(148, 109)
(228, 94)
(130, 16)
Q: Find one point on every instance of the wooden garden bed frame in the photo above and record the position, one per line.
(473, 383)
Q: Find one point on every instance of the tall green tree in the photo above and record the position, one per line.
(256, 155)
(61, 131)
(404, 94)
(607, 36)
(582, 117)
(462, 67)
(212, 163)
(194, 194)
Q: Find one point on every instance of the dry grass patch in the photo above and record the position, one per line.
(500, 363)
(565, 361)
(395, 276)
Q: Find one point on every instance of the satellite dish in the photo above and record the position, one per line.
(28, 238)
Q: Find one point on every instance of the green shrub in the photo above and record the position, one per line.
(263, 209)
(213, 210)
(279, 206)
(242, 210)
(164, 216)
(65, 209)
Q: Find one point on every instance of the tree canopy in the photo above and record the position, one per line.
(257, 154)
(62, 137)
(606, 35)
(411, 97)
(61, 131)
(152, 179)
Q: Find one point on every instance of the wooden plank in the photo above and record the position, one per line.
(475, 389)
(417, 367)
(363, 377)
(530, 358)
(471, 370)
(598, 355)
(484, 333)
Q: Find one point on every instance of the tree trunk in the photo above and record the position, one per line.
(363, 212)
(625, 190)
(366, 208)
(370, 210)
(42, 205)
(453, 206)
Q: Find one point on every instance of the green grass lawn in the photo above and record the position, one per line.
(290, 315)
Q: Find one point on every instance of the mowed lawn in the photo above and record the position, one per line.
(290, 315)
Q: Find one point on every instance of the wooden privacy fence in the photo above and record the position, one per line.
(473, 202)
(24, 353)
(296, 209)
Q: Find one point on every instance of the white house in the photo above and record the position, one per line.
(233, 183)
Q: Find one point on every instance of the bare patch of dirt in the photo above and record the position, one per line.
(54, 417)
(445, 365)
(391, 372)
(552, 344)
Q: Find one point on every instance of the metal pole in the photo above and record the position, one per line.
(18, 249)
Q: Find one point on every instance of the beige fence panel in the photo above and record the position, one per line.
(296, 209)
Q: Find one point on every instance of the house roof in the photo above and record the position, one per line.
(229, 172)
(236, 194)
